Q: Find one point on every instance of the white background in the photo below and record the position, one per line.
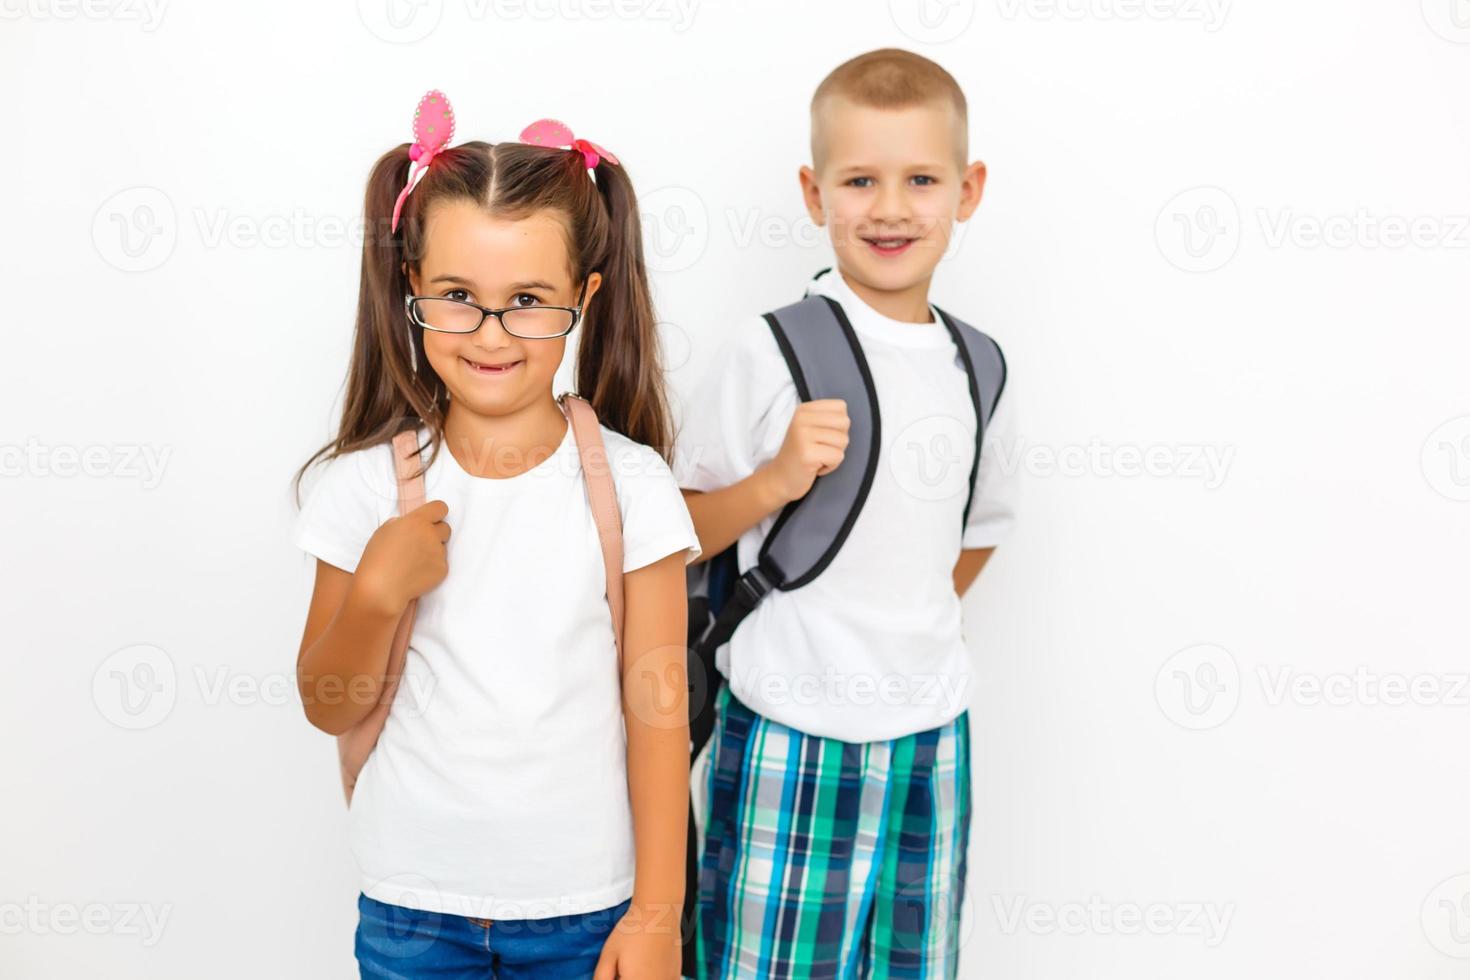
(181, 188)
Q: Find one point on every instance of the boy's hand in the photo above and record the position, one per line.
(644, 945)
(815, 444)
(406, 557)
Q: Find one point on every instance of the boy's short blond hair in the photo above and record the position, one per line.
(890, 78)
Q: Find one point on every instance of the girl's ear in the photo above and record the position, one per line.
(413, 279)
(594, 283)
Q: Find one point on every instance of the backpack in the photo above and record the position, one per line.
(357, 743)
(826, 361)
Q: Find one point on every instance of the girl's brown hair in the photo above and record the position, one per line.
(618, 365)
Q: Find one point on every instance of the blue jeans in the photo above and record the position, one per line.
(406, 944)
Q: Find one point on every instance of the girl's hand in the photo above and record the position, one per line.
(406, 557)
(644, 945)
(815, 444)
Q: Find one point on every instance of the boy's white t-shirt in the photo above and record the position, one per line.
(872, 648)
(498, 788)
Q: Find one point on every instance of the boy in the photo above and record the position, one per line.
(838, 796)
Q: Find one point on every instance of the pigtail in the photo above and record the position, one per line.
(618, 363)
(385, 393)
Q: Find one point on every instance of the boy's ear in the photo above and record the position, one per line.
(972, 188)
(812, 195)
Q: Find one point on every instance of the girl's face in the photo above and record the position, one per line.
(495, 262)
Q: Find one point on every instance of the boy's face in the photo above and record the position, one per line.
(889, 185)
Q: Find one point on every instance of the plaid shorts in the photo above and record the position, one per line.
(825, 858)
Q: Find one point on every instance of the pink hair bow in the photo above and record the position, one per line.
(433, 127)
(550, 132)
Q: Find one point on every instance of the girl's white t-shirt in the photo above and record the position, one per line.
(498, 788)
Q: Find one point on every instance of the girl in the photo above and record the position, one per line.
(523, 812)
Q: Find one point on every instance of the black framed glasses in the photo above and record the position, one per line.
(526, 322)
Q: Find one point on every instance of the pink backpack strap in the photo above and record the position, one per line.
(602, 496)
(356, 744)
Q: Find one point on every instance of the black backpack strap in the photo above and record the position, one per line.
(985, 366)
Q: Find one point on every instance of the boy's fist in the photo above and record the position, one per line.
(815, 444)
(406, 556)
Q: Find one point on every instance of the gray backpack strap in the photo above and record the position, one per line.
(985, 366)
(826, 361)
